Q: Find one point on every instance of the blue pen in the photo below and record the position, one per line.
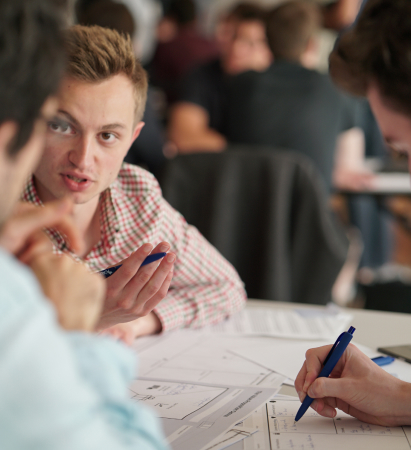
(383, 360)
(330, 362)
(150, 258)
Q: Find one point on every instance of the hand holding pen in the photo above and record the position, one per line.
(357, 386)
(135, 289)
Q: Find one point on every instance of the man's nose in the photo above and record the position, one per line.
(82, 153)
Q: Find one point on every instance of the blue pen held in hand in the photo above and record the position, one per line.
(150, 258)
(330, 362)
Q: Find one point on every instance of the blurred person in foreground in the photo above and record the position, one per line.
(61, 386)
(372, 60)
(291, 105)
(118, 208)
(197, 122)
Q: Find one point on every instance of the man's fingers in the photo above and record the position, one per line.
(314, 360)
(322, 408)
(328, 387)
(40, 243)
(117, 282)
(146, 283)
(29, 219)
(299, 381)
(162, 292)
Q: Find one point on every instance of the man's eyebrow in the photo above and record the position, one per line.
(69, 117)
(112, 126)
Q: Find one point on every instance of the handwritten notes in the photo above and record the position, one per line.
(314, 432)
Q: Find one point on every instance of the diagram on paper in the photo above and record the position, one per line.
(279, 431)
(196, 358)
(173, 400)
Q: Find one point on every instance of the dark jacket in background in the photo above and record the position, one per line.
(267, 213)
(289, 107)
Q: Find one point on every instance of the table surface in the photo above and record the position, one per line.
(373, 328)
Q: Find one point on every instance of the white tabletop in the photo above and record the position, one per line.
(373, 328)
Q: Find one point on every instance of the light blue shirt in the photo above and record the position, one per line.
(59, 390)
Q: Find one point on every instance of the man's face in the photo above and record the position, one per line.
(87, 139)
(395, 126)
(15, 169)
(248, 49)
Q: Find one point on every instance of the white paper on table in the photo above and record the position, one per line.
(280, 355)
(290, 324)
(193, 356)
(194, 414)
(391, 182)
(280, 432)
(235, 435)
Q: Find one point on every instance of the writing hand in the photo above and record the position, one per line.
(356, 386)
(133, 292)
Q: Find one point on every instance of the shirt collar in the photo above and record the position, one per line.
(110, 223)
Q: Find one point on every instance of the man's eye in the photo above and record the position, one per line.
(58, 127)
(108, 137)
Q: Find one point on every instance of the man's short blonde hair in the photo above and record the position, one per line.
(95, 54)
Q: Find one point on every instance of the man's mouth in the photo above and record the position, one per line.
(76, 179)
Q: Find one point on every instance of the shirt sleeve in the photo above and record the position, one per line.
(63, 391)
(205, 288)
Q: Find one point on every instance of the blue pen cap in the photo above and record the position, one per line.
(351, 330)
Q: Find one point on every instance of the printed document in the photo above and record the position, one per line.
(193, 415)
(193, 356)
(290, 324)
(275, 420)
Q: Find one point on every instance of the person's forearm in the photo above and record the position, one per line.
(146, 325)
(206, 140)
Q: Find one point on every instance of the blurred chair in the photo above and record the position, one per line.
(267, 213)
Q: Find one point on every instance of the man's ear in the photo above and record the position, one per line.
(137, 130)
(8, 131)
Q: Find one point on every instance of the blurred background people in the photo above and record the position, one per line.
(180, 47)
(291, 105)
(197, 122)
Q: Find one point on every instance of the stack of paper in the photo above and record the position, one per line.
(220, 387)
(290, 324)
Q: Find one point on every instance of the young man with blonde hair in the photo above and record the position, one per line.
(119, 209)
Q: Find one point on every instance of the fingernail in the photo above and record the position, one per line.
(310, 392)
(330, 413)
(164, 248)
(171, 257)
(300, 396)
(147, 248)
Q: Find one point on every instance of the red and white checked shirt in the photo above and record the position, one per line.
(205, 287)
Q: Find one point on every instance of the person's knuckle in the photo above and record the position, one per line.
(152, 289)
(144, 278)
(127, 272)
(309, 353)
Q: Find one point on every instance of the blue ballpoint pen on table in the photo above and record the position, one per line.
(150, 258)
(330, 362)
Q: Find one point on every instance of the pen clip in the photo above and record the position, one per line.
(333, 348)
(350, 331)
